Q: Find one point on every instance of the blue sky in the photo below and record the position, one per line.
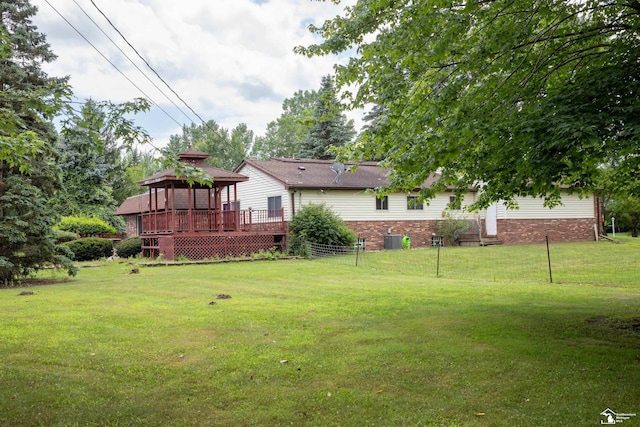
(231, 61)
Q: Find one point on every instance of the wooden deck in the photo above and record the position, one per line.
(201, 234)
(213, 221)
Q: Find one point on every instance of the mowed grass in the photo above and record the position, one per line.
(310, 343)
(600, 263)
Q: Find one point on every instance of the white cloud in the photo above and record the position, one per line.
(231, 60)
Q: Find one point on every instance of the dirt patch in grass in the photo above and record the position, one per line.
(619, 324)
(28, 283)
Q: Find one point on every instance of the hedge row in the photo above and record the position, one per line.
(90, 248)
(65, 236)
(130, 247)
(84, 226)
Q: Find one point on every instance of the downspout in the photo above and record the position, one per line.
(293, 203)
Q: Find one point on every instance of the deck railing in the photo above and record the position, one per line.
(213, 221)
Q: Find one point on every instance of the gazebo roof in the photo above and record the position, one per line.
(221, 177)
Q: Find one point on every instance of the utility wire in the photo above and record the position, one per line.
(131, 61)
(145, 61)
(112, 64)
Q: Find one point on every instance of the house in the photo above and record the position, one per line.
(178, 218)
(289, 184)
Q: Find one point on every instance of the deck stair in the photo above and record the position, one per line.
(473, 239)
(490, 241)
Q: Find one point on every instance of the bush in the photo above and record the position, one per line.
(452, 227)
(298, 247)
(64, 236)
(130, 247)
(318, 224)
(90, 248)
(85, 226)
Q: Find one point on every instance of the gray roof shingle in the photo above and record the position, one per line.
(309, 173)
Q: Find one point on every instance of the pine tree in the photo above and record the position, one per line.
(29, 175)
(331, 128)
(285, 136)
(92, 167)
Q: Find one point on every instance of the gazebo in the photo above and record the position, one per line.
(204, 221)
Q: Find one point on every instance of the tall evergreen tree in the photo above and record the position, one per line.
(91, 160)
(331, 128)
(29, 175)
(284, 136)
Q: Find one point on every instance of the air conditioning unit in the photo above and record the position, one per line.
(393, 241)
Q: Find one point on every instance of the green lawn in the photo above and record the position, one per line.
(310, 343)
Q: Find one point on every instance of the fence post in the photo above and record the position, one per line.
(549, 260)
(438, 263)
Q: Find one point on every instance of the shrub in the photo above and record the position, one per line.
(64, 236)
(271, 253)
(452, 227)
(318, 224)
(90, 248)
(85, 226)
(298, 247)
(130, 247)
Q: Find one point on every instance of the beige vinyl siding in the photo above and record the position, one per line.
(255, 192)
(358, 205)
(529, 208)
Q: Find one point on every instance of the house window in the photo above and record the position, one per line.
(231, 206)
(382, 204)
(274, 204)
(453, 203)
(413, 204)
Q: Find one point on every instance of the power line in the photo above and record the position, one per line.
(147, 63)
(131, 61)
(112, 64)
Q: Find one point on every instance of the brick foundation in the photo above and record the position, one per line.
(510, 232)
(420, 232)
(523, 231)
(132, 225)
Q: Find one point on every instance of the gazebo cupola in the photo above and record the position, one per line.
(196, 158)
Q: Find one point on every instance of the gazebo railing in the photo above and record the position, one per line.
(213, 221)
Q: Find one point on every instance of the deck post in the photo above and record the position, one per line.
(236, 212)
(173, 207)
(220, 210)
(189, 218)
(282, 219)
(209, 209)
(155, 211)
(149, 211)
